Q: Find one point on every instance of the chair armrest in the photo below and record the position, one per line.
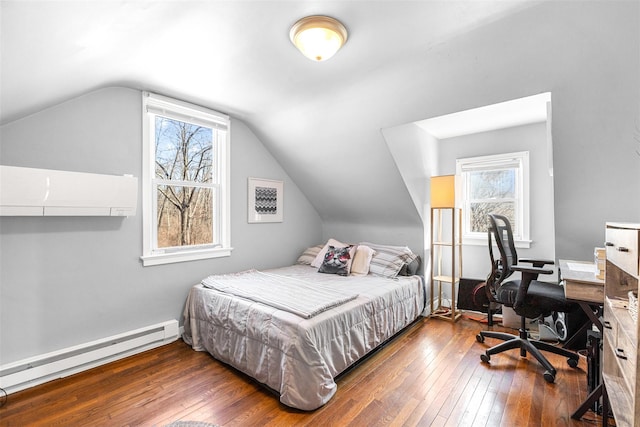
(536, 262)
(528, 275)
(525, 269)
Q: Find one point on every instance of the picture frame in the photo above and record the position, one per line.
(266, 200)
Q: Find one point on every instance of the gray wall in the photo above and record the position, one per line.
(69, 280)
(418, 156)
(587, 54)
(531, 138)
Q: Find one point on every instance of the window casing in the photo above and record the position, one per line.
(185, 182)
(495, 184)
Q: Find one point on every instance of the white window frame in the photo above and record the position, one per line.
(153, 104)
(519, 160)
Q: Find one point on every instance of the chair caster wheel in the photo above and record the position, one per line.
(484, 358)
(480, 338)
(549, 377)
(572, 362)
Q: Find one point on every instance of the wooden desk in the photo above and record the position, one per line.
(580, 282)
(583, 287)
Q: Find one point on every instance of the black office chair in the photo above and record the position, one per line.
(528, 297)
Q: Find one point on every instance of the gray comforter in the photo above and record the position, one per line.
(299, 357)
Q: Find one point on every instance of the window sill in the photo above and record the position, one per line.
(520, 244)
(173, 257)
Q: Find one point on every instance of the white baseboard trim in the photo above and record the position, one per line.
(37, 370)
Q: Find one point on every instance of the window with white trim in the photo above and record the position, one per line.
(185, 200)
(495, 184)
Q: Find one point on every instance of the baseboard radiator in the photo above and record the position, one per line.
(30, 372)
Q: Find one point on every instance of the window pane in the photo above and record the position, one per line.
(183, 151)
(185, 216)
(479, 212)
(186, 202)
(498, 184)
(492, 184)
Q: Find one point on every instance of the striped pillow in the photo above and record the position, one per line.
(389, 261)
(309, 255)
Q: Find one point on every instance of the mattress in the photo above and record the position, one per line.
(296, 356)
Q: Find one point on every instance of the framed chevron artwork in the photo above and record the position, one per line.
(265, 200)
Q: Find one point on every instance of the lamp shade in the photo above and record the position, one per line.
(318, 37)
(443, 191)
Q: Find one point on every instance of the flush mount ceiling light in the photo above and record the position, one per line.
(318, 37)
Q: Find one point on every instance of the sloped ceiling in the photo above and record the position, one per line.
(321, 121)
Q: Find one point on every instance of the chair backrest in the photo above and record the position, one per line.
(500, 235)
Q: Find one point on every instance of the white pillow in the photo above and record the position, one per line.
(320, 257)
(362, 260)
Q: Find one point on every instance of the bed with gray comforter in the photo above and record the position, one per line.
(295, 329)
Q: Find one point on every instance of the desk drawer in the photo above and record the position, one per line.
(584, 291)
(622, 249)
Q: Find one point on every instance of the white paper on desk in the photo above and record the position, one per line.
(587, 268)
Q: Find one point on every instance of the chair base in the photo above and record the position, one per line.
(526, 345)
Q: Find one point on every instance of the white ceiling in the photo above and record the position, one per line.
(317, 119)
(516, 112)
(232, 54)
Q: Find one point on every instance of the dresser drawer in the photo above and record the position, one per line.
(610, 325)
(626, 354)
(625, 347)
(622, 249)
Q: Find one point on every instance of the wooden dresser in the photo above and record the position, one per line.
(620, 338)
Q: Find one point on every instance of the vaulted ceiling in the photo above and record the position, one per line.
(321, 121)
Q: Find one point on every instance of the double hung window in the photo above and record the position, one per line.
(495, 184)
(185, 181)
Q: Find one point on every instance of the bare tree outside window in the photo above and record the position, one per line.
(184, 161)
(185, 178)
(497, 183)
(491, 191)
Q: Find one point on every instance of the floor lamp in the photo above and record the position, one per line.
(447, 242)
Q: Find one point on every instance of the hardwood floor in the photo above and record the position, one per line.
(430, 375)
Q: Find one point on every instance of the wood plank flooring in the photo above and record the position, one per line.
(430, 375)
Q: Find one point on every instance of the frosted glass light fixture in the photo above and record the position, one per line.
(318, 37)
